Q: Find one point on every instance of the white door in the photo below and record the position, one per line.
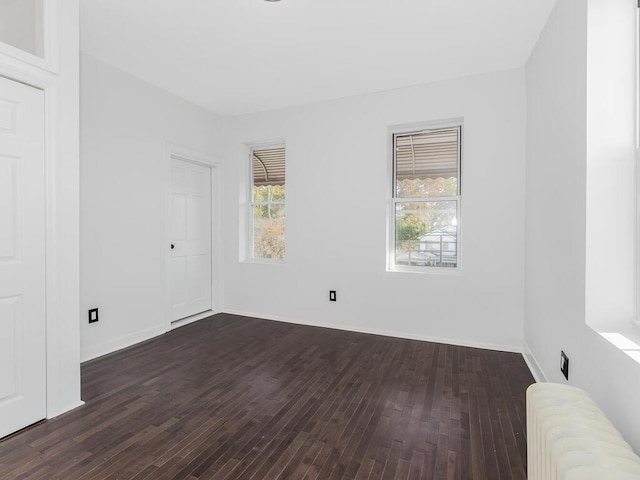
(190, 237)
(22, 257)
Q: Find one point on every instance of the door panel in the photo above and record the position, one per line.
(8, 219)
(179, 279)
(22, 260)
(10, 322)
(191, 239)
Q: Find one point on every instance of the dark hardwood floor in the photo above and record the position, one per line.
(238, 398)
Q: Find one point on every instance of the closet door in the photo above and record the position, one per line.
(22, 257)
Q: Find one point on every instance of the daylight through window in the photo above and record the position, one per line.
(426, 198)
(267, 213)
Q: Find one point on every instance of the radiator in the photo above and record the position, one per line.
(570, 438)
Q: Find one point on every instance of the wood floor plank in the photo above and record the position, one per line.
(238, 398)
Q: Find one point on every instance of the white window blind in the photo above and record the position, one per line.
(268, 166)
(428, 154)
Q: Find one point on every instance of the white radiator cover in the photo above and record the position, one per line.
(570, 438)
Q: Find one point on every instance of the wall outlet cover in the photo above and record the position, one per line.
(93, 315)
(332, 296)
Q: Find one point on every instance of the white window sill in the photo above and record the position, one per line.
(257, 261)
(624, 335)
(445, 271)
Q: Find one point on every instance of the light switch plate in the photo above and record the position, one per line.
(564, 365)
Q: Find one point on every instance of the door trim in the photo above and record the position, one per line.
(62, 277)
(214, 163)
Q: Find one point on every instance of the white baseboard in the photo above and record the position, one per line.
(51, 415)
(193, 318)
(89, 353)
(532, 363)
(385, 333)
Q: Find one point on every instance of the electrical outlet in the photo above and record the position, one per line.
(93, 315)
(564, 365)
(332, 296)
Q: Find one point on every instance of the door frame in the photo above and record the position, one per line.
(62, 275)
(214, 163)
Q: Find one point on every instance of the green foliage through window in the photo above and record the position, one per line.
(268, 194)
(268, 218)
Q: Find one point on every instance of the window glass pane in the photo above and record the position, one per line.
(427, 187)
(268, 189)
(268, 231)
(269, 193)
(426, 163)
(427, 234)
(21, 25)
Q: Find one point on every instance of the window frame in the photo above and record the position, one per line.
(250, 254)
(636, 250)
(400, 130)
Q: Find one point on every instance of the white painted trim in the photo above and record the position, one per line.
(214, 163)
(635, 321)
(26, 73)
(265, 261)
(384, 333)
(53, 251)
(66, 409)
(42, 74)
(119, 343)
(636, 179)
(450, 271)
(193, 318)
(532, 363)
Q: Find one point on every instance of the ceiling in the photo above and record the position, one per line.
(242, 56)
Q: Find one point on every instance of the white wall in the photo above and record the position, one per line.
(556, 225)
(126, 124)
(338, 189)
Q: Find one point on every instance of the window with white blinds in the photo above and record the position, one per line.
(426, 198)
(267, 205)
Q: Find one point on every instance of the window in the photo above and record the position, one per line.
(267, 205)
(426, 199)
(22, 25)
